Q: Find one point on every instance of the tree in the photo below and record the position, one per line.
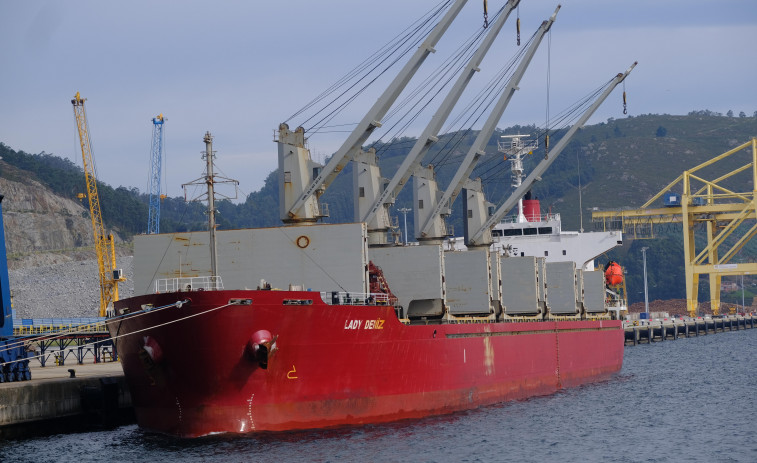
(661, 131)
(742, 114)
(729, 113)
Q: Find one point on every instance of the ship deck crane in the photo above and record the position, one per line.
(109, 275)
(377, 212)
(156, 161)
(432, 227)
(478, 238)
(722, 209)
(300, 208)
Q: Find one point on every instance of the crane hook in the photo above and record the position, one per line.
(546, 146)
(625, 106)
(517, 28)
(486, 15)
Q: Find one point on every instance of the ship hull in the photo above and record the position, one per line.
(191, 371)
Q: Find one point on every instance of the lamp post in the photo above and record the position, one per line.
(404, 211)
(646, 294)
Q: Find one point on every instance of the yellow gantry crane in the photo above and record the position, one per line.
(723, 210)
(104, 245)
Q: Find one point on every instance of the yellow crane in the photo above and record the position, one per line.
(723, 210)
(104, 245)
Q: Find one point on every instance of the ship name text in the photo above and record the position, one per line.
(364, 324)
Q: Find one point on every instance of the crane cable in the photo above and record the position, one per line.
(412, 35)
(625, 107)
(392, 60)
(563, 120)
(77, 329)
(476, 109)
(434, 85)
(549, 65)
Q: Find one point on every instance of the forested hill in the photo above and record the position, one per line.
(618, 163)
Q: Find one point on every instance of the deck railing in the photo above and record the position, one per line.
(346, 298)
(172, 285)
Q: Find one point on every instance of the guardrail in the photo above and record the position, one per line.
(204, 283)
(345, 298)
(26, 326)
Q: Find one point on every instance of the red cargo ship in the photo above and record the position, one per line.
(200, 359)
(244, 361)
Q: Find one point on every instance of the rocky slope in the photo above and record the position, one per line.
(42, 228)
(52, 264)
(63, 290)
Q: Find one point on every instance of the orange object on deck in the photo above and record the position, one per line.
(613, 274)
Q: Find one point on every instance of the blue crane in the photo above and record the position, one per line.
(156, 155)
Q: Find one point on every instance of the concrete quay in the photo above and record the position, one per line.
(648, 331)
(55, 400)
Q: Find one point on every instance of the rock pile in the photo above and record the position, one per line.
(66, 290)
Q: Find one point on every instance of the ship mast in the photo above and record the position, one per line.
(208, 139)
(210, 179)
(514, 152)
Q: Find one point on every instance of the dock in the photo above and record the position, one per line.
(64, 399)
(648, 331)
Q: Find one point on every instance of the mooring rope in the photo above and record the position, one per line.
(135, 315)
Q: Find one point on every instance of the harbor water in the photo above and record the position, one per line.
(688, 400)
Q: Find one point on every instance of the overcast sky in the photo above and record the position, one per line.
(239, 68)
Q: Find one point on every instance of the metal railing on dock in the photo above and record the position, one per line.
(28, 326)
(648, 331)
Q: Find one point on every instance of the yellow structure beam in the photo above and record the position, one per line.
(723, 210)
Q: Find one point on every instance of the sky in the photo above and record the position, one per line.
(239, 68)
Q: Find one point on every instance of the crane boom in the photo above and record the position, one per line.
(429, 135)
(477, 149)
(536, 174)
(372, 119)
(156, 160)
(104, 245)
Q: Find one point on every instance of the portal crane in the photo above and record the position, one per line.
(104, 245)
(725, 211)
(156, 159)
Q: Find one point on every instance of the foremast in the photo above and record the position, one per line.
(210, 180)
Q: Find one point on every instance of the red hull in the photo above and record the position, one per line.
(333, 367)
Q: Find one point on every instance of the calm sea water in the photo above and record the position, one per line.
(686, 400)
